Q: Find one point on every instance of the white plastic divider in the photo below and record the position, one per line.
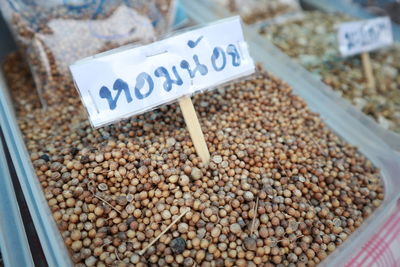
(50, 238)
(13, 241)
(352, 125)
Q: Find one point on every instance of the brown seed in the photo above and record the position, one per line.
(217, 159)
(215, 232)
(166, 214)
(196, 173)
(76, 235)
(173, 179)
(250, 243)
(184, 180)
(103, 187)
(76, 245)
(235, 228)
(99, 158)
(98, 211)
(183, 228)
(248, 196)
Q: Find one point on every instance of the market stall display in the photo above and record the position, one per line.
(281, 187)
(312, 42)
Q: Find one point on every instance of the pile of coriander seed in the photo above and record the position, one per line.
(281, 188)
(312, 42)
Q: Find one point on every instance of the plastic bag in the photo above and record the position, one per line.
(54, 34)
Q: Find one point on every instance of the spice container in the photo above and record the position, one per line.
(111, 191)
(315, 47)
(76, 158)
(88, 177)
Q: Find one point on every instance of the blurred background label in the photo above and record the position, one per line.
(364, 36)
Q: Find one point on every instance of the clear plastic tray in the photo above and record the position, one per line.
(50, 238)
(337, 114)
(391, 138)
(13, 241)
(14, 244)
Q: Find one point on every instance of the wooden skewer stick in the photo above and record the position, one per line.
(163, 232)
(105, 201)
(297, 237)
(116, 255)
(366, 62)
(280, 166)
(253, 224)
(193, 125)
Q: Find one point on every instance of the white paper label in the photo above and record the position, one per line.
(364, 36)
(125, 83)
